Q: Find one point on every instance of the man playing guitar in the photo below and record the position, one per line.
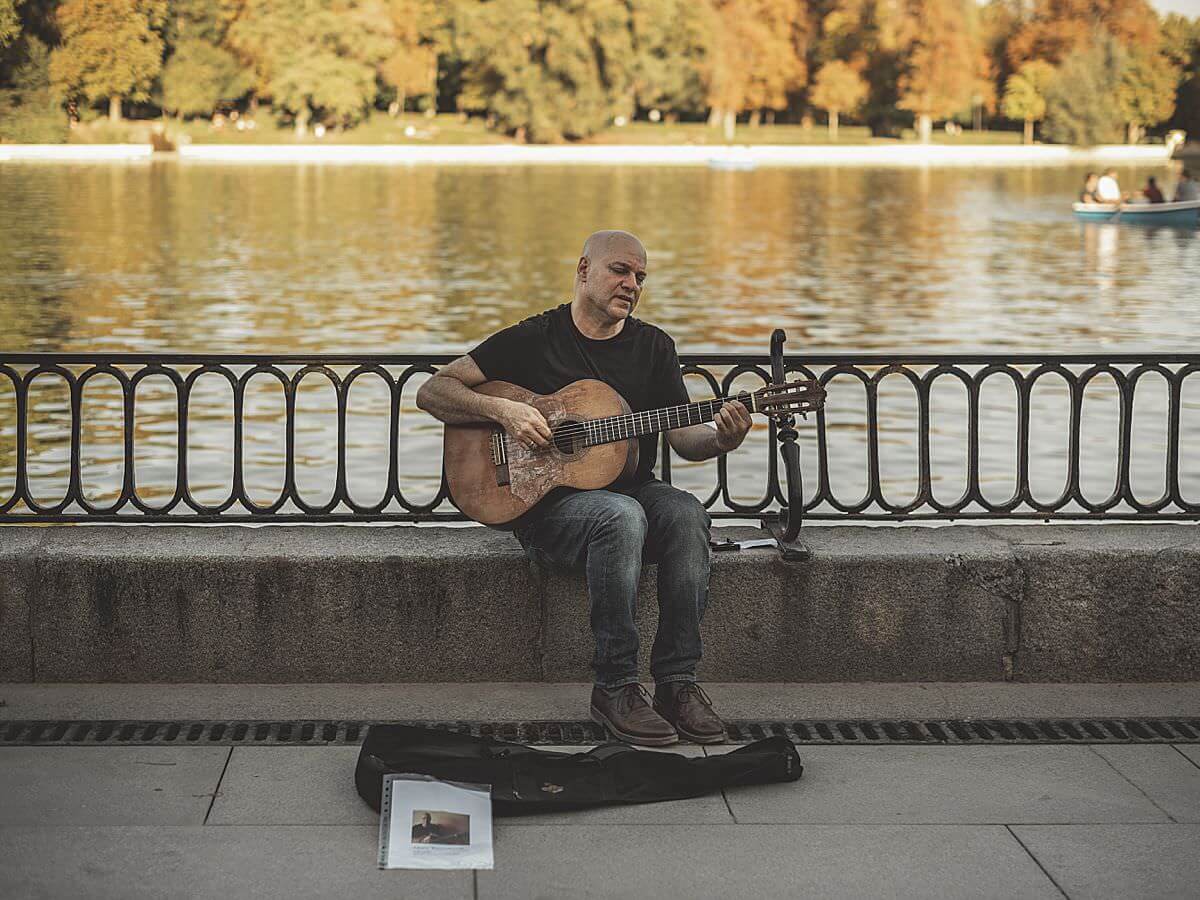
(605, 533)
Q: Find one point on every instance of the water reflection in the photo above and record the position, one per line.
(171, 256)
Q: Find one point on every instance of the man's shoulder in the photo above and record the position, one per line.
(651, 333)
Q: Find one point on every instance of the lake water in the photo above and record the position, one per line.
(174, 256)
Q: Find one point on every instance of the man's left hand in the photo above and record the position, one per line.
(733, 423)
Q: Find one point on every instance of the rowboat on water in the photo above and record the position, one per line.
(1186, 212)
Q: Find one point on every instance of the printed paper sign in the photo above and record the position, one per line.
(429, 824)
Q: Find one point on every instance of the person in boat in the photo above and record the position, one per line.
(608, 533)
(1107, 188)
(1187, 188)
(1088, 194)
(1151, 191)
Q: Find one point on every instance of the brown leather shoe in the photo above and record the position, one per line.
(685, 705)
(627, 714)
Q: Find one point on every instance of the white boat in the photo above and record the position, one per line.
(1186, 212)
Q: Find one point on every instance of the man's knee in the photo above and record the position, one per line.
(683, 511)
(624, 517)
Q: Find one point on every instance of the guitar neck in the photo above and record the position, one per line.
(652, 421)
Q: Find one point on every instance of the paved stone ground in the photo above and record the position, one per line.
(876, 821)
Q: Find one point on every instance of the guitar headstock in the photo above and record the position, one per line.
(800, 395)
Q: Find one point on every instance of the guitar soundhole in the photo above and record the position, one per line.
(568, 437)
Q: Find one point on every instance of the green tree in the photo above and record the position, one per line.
(1146, 92)
(673, 42)
(200, 77)
(1080, 107)
(313, 58)
(837, 89)
(546, 70)
(940, 63)
(1025, 94)
(111, 49)
(29, 112)
(10, 23)
(1181, 44)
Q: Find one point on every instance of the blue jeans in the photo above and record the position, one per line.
(606, 534)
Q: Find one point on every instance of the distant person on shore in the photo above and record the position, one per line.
(1088, 194)
(1151, 191)
(1187, 188)
(1107, 188)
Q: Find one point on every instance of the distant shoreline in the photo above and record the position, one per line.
(720, 157)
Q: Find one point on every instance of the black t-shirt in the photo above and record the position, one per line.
(546, 352)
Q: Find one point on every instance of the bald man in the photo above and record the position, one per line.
(607, 533)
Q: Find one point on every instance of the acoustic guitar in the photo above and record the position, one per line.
(495, 479)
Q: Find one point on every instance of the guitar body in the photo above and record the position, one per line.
(499, 494)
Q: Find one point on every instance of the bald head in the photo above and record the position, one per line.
(608, 279)
(602, 243)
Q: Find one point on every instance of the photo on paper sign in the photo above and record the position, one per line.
(425, 823)
(440, 827)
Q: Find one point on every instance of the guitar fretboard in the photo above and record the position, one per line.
(651, 421)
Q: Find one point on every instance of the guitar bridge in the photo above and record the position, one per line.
(500, 457)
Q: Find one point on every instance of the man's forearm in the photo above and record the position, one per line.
(696, 443)
(453, 402)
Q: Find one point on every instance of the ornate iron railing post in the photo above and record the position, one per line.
(785, 527)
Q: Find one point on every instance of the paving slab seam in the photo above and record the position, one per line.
(1185, 756)
(1137, 787)
(217, 789)
(1037, 862)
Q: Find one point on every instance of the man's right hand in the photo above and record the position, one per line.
(525, 425)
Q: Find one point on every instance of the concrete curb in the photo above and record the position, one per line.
(733, 156)
(278, 604)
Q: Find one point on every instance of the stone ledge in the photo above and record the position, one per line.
(405, 604)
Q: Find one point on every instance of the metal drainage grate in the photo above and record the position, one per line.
(806, 731)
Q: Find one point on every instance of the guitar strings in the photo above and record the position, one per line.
(600, 426)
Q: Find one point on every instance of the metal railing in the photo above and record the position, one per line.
(953, 429)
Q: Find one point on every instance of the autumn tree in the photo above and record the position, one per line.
(1080, 107)
(838, 88)
(313, 59)
(940, 63)
(546, 70)
(1025, 94)
(870, 35)
(111, 49)
(1056, 28)
(411, 68)
(759, 57)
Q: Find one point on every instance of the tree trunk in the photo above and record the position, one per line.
(977, 121)
(730, 124)
(715, 116)
(114, 109)
(1028, 136)
(302, 118)
(755, 118)
(770, 117)
(833, 124)
(1134, 133)
(925, 127)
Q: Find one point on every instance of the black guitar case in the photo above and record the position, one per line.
(527, 780)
